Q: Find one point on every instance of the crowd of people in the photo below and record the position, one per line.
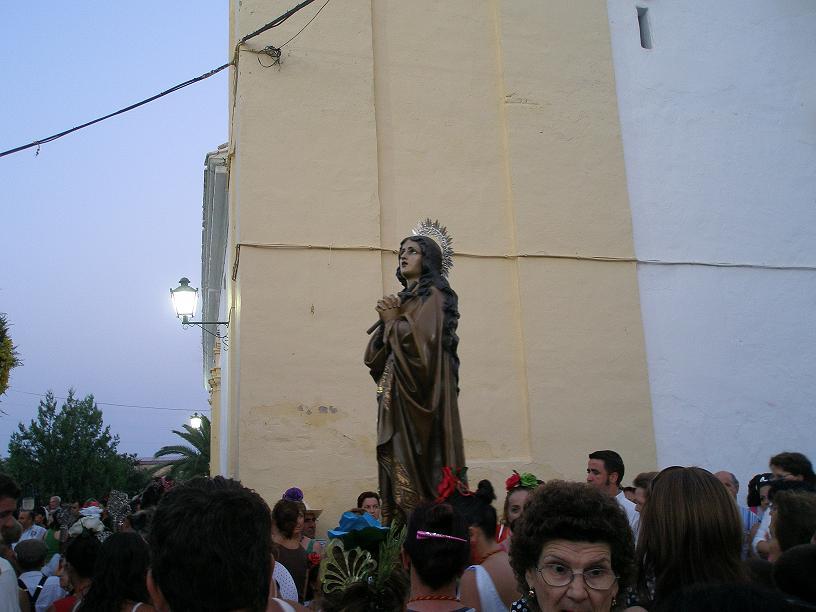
(677, 539)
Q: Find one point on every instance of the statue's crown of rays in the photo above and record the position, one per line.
(439, 234)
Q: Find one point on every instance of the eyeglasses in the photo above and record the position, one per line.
(6, 513)
(558, 575)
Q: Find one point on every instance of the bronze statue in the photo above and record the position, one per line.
(412, 356)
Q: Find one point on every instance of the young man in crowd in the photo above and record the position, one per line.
(605, 471)
(211, 547)
(9, 494)
(41, 590)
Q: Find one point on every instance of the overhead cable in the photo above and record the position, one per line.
(272, 24)
(112, 404)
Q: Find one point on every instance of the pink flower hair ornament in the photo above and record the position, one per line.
(425, 535)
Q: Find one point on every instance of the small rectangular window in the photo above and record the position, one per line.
(643, 26)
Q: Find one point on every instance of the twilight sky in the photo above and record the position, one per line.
(97, 228)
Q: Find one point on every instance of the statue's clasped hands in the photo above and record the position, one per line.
(388, 307)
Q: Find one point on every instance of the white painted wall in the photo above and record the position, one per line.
(719, 132)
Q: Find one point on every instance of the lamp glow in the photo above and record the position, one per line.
(184, 299)
(195, 421)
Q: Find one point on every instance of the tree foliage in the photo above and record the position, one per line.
(68, 452)
(194, 457)
(9, 358)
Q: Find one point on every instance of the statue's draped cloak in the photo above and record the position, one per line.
(418, 427)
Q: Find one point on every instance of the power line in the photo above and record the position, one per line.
(306, 25)
(112, 404)
(276, 22)
(272, 24)
(37, 143)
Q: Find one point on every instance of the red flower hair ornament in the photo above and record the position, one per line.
(526, 480)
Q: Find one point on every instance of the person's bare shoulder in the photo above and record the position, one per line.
(468, 590)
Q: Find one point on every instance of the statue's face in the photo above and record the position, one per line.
(410, 260)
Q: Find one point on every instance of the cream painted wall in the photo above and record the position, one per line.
(498, 118)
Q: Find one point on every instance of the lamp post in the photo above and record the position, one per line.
(195, 421)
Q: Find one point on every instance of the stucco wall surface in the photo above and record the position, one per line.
(382, 113)
(720, 146)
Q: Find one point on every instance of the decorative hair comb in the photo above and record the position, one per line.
(424, 535)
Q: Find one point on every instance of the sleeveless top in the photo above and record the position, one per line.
(488, 595)
(297, 562)
(286, 585)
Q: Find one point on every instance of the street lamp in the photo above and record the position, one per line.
(195, 421)
(184, 299)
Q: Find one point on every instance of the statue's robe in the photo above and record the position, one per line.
(418, 427)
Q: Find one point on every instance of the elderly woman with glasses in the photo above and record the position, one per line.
(572, 550)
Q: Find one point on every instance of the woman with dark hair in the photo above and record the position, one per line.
(436, 551)
(690, 533)
(754, 500)
(572, 550)
(413, 357)
(78, 569)
(488, 584)
(793, 521)
(139, 522)
(119, 581)
(287, 526)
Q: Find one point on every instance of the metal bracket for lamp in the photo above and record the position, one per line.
(185, 322)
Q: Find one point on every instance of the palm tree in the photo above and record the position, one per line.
(193, 458)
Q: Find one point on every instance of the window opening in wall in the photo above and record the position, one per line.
(643, 26)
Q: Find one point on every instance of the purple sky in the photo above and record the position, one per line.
(98, 227)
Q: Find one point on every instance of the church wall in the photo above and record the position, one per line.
(718, 130)
(498, 118)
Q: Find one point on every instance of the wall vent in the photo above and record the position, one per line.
(643, 26)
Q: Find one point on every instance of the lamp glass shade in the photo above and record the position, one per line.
(184, 299)
(195, 421)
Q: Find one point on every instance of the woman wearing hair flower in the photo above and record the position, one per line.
(518, 487)
(413, 357)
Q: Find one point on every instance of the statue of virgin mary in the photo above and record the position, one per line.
(412, 355)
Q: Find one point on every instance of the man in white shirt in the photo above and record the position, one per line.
(42, 590)
(9, 493)
(605, 471)
(30, 530)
